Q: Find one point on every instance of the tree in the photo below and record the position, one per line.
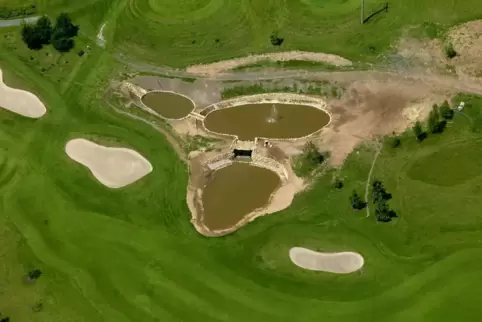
(5, 319)
(43, 28)
(30, 37)
(434, 119)
(338, 184)
(418, 131)
(383, 212)
(379, 192)
(445, 111)
(35, 36)
(64, 26)
(62, 44)
(357, 202)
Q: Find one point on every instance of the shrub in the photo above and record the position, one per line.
(445, 111)
(450, 51)
(356, 201)
(395, 142)
(276, 40)
(338, 184)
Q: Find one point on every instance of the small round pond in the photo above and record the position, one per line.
(235, 191)
(267, 120)
(168, 105)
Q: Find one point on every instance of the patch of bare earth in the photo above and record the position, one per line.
(371, 109)
(226, 65)
(467, 41)
(429, 55)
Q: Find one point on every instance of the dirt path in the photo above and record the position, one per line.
(369, 178)
(17, 22)
(437, 82)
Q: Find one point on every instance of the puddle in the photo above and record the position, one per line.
(168, 105)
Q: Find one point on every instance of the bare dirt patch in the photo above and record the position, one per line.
(340, 263)
(371, 109)
(20, 101)
(467, 41)
(113, 167)
(226, 65)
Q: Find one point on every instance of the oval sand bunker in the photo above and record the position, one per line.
(167, 104)
(20, 101)
(113, 167)
(267, 120)
(341, 263)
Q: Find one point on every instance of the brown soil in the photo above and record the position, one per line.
(467, 41)
(373, 109)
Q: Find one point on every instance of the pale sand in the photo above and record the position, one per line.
(113, 167)
(226, 65)
(20, 101)
(341, 263)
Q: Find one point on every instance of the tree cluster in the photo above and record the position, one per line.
(41, 33)
(383, 212)
(436, 123)
(356, 201)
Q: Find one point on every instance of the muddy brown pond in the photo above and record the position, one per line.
(235, 191)
(267, 120)
(168, 105)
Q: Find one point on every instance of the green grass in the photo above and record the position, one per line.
(178, 35)
(314, 88)
(132, 254)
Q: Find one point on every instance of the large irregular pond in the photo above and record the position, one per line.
(168, 105)
(281, 121)
(235, 191)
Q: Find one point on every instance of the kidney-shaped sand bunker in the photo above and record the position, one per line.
(341, 263)
(20, 101)
(113, 167)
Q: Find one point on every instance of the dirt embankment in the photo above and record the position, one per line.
(226, 65)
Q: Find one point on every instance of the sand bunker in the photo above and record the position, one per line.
(113, 167)
(341, 263)
(20, 101)
(226, 65)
